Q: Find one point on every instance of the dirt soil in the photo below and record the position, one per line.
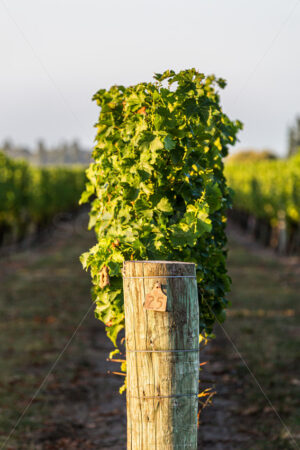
(88, 412)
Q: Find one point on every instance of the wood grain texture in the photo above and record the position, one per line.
(169, 422)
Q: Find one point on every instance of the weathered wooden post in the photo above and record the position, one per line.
(162, 353)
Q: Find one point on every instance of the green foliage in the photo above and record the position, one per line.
(31, 195)
(158, 188)
(266, 189)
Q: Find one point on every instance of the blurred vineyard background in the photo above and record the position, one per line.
(266, 200)
(36, 187)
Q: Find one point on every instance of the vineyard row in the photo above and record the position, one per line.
(266, 200)
(30, 197)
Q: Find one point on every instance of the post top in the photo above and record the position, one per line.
(150, 269)
(159, 262)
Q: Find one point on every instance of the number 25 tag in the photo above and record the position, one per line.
(156, 300)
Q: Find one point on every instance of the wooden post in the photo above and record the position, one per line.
(162, 354)
(282, 233)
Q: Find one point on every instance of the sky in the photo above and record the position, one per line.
(55, 54)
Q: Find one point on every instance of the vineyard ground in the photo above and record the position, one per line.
(44, 295)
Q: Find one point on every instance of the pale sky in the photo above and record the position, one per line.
(55, 54)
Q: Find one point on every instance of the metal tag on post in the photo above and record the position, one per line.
(156, 300)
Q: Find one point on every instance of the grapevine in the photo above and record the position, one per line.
(157, 188)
